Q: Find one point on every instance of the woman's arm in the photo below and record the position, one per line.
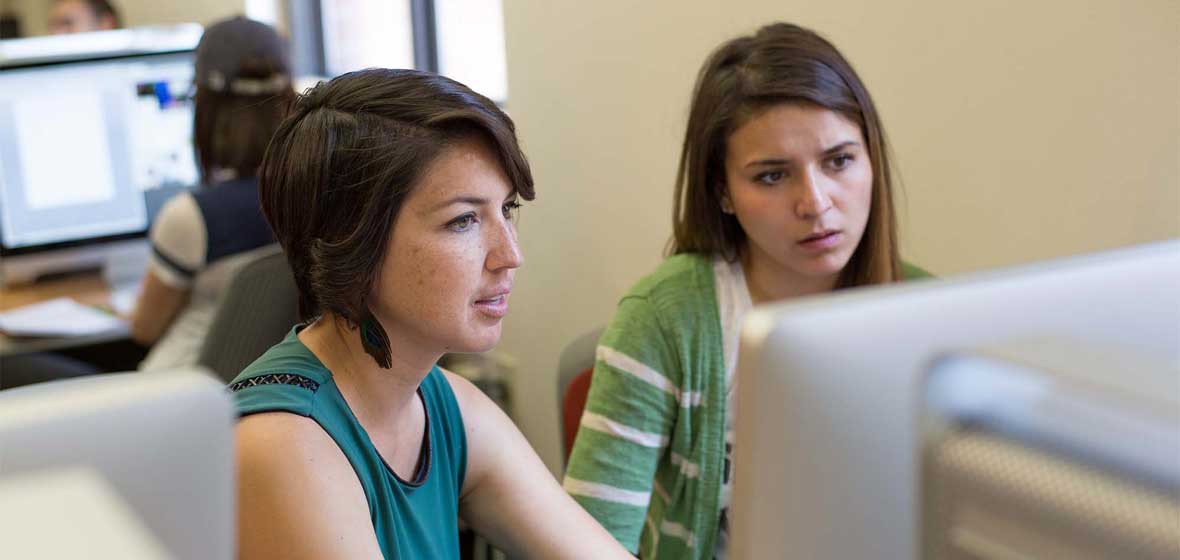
(178, 240)
(157, 306)
(510, 497)
(298, 497)
(627, 424)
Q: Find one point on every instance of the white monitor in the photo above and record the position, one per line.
(826, 456)
(89, 150)
(163, 442)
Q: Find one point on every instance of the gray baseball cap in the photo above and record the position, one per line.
(242, 57)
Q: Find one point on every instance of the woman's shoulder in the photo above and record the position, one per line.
(686, 272)
(289, 468)
(911, 271)
(285, 378)
(178, 231)
(280, 443)
(290, 355)
(677, 299)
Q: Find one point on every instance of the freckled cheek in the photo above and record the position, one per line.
(451, 279)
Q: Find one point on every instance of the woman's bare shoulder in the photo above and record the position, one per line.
(294, 481)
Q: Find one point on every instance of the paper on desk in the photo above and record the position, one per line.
(123, 298)
(57, 317)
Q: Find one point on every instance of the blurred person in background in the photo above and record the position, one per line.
(200, 239)
(79, 16)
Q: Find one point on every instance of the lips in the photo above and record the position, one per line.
(495, 304)
(822, 240)
(819, 235)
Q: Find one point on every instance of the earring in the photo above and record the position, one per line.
(726, 205)
(375, 341)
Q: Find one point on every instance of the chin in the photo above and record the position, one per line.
(825, 265)
(481, 341)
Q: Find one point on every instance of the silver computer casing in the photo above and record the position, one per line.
(1050, 448)
(829, 389)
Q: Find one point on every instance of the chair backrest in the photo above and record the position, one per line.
(256, 311)
(573, 403)
(574, 368)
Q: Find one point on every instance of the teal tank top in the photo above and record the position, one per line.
(412, 519)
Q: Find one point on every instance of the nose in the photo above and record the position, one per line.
(503, 250)
(813, 199)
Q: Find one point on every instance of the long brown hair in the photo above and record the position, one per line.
(780, 63)
(342, 164)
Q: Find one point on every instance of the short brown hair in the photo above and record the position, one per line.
(780, 63)
(340, 168)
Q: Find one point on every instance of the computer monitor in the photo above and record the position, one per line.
(826, 456)
(1050, 449)
(89, 150)
(163, 442)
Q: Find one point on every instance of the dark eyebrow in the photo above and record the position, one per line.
(784, 161)
(841, 146)
(768, 162)
(472, 200)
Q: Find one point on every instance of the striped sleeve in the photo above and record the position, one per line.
(179, 241)
(633, 402)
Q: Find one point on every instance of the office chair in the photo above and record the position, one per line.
(256, 311)
(574, 369)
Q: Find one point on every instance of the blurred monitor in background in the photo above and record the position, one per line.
(80, 16)
(89, 150)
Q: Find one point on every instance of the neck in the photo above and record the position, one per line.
(769, 281)
(378, 395)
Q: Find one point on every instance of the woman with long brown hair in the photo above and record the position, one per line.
(784, 191)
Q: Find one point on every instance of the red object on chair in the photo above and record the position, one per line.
(572, 404)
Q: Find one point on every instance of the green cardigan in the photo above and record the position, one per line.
(647, 461)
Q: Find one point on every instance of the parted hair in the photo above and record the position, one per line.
(780, 63)
(341, 165)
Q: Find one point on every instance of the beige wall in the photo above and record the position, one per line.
(149, 12)
(1023, 130)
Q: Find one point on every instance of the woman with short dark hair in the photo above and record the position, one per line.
(200, 239)
(784, 191)
(392, 193)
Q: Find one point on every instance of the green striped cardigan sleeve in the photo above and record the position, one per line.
(628, 418)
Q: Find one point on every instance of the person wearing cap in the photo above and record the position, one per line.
(201, 238)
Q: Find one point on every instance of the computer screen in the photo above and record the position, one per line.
(829, 388)
(89, 149)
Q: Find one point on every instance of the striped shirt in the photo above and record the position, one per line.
(650, 458)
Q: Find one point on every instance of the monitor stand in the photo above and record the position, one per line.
(121, 262)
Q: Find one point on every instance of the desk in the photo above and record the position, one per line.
(89, 289)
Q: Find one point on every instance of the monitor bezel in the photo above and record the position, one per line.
(6, 251)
